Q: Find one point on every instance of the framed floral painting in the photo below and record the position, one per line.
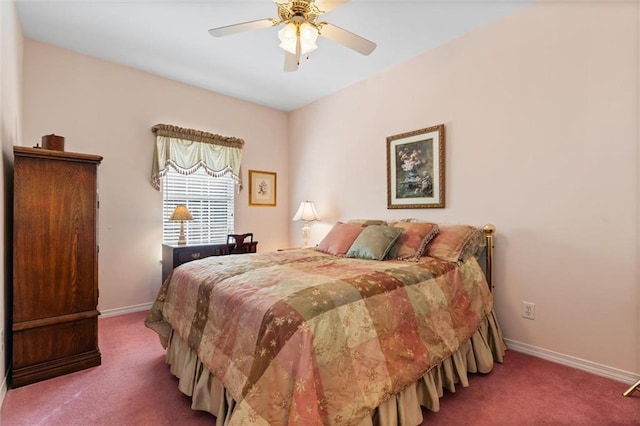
(415, 169)
(262, 188)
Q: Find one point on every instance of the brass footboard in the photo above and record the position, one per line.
(489, 230)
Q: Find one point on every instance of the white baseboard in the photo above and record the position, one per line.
(126, 310)
(570, 361)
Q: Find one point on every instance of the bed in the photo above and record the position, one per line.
(333, 335)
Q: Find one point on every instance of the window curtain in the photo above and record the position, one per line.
(186, 150)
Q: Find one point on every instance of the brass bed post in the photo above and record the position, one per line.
(489, 230)
(634, 387)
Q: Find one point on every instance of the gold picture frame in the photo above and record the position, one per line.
(262, 188)
(416, 169)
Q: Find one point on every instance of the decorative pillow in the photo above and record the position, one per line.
(374, 242)
(367, 222)
(413, 241)
(455, 243)
(340, 238)
(476, 244)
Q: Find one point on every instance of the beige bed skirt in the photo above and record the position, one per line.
(477, 355)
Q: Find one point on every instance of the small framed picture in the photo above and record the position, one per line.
(415, 169)
(262, 188)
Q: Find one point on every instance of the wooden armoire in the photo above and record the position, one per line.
(55, 264)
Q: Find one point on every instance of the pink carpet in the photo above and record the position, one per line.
(133, 386)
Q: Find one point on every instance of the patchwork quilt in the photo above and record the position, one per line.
(304, 337)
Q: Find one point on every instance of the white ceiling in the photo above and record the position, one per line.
(169, 38)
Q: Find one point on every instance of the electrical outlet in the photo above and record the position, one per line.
(528, 310)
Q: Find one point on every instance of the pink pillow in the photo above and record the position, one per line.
(340, 238)
(413, 241)
(455, 243)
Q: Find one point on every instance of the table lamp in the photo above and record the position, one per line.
(307, 213)
(181, 213)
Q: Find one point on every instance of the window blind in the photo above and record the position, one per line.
(210, 201)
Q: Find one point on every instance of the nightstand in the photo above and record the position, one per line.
(175, 255)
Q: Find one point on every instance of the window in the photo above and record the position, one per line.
(210, 201)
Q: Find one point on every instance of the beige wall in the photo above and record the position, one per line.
(107, 109)
(10, 128)
(541, 115)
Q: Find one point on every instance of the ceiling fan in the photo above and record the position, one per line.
(300, 32)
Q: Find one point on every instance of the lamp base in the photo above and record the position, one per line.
(306, 233)
(181, 239)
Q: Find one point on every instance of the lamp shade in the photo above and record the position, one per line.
(306, 212)
(181, 212)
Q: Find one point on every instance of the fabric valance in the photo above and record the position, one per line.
(186, 150)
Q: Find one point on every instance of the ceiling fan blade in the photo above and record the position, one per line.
(290, 62)
(347, 38)
(237, 28)
(329, 5)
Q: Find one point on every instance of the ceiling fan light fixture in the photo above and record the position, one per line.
(292, 32)
(308, 37)
(289, 37)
